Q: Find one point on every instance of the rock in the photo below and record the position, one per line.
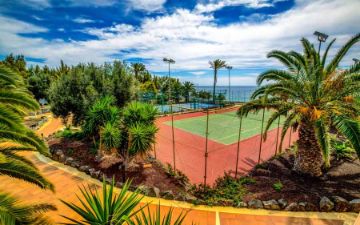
(61, 158)
(94, 173)
(282, 203)
(311, 207)
(292, 207)
(242, 205)
(341, 204)
(68, 160)
(326, 205)
(271, 204)
(355, 205)
(119, 184)
(302, 206)
(262, 172)
(156, 192)
(145, 190)
(59, 152)
(255, 204)
(108, 180)
(168, 195)
(84, 168)
(75, 164)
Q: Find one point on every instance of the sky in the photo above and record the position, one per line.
(192, 32)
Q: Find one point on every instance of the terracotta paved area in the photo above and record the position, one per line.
(66, 181)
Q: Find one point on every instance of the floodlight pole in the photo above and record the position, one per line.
(171, 61)
(229, 69)
(238, 147)
(321, 38)
(206, 145)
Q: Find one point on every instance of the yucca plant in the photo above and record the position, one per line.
(313, 95)
(12, 212)
(145, 217)
(108, 208)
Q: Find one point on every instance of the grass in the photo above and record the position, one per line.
(224, 127)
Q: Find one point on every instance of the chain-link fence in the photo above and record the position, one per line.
(209, 142)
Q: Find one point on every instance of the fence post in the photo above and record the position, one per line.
(238, 147)
(206, 145)
(290, 137)
(173, 135)
(261, 134)
(277, 136)
(154, 151)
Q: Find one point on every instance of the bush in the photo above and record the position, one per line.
(341, 149)
(226, 190)
(70, 134)
(278, 186)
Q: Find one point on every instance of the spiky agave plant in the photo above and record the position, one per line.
(146, 217)
(313, 96)
(109, 208)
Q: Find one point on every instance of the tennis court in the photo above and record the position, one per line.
(191, 150)
(224, 127)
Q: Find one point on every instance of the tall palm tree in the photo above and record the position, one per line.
(138, 68)
(15, 102)
(188, 87)
(313, 95)
(216, 65)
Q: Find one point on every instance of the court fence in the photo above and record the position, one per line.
(223, 142)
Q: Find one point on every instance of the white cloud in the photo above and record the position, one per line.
(216, 5)
(198, 73)
(146, 5)
(192, 38)
(36, 3)
(61, 29)
(83, 20)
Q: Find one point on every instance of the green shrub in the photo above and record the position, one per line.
(226, 191)
(278, 186)
(341, 149)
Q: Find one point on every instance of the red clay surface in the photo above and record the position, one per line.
(190, 151)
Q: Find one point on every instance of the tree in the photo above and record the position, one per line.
(216, 65)
(313, 95)
(15, 102)
(72, 94)
(138, 69)
(188, 88)
(39, 84)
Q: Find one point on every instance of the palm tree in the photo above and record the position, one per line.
(313, 95)
(216, 65)
(15, 102)
(12, 212)
(188, 87)
(138, 68)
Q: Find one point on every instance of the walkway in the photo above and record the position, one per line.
(66, 181)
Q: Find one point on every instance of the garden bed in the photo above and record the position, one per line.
(153, 180)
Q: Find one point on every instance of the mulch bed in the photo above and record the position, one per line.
(342, 179)
(81, 151)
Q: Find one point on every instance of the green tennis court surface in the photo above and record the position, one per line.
(224, 127)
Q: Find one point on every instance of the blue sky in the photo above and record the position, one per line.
(192, 32)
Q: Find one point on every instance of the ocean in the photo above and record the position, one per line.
(237, 93)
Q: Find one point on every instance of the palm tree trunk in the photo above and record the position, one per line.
(309, 157)
(215, 77)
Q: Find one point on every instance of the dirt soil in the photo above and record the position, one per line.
(155, 176)
(342, 179)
